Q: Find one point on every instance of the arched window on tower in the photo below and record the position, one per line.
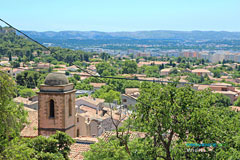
(77, 132)
(51, 115)
(70, 106)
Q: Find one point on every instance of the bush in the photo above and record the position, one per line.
(27, 92)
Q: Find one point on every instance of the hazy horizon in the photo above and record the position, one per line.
(130, 31)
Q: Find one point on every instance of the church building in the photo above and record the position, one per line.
(56, 108)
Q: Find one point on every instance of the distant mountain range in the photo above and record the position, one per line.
(155, 35)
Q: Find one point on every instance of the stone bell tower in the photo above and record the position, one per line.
(56, 106)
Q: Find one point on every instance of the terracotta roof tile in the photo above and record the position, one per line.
(97, 85)
(77, 150)
(200, 70)
(91, 100)
(31, 129)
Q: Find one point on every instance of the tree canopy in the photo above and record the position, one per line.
(13, 117)
(171, 118)
(129, 67)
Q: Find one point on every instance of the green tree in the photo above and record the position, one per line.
(237, 102)
(15, 64)
(152, 71)
(64, 142)
(107, 93)
(77, 77)
(174, 71)
(28, 79)
(27, 92)
(105, 69)
(222, 100)
(104, 56)
(72, 80)
(67, 73)
(129, 67)
(12, 116)
(83, 86)
(107, 150)
(172, 117)
(216, 72)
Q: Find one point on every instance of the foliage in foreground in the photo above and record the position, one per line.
(171, 118)
(56, 146)
(12, 120)
(12, 116)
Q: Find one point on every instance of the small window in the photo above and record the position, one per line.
(124, 100)
(51, 115)
(77, 132)
(224, 89)
(70, 107)
(77, 119)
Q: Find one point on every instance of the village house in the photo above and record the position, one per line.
(159, 62)
(97, 86)
(202, 72)
(4, 59)
(130, 97)
(43, 65)
(6, 69)
(232, 95)
(5, 63)
(94, 103)
(84, 75)
(92, 123)
(63, 70)
(14, 58)
(72, 68)
(142, 63)
(235, 108)
(92, 68)
(83, 92)
(165, 72)
(223, 88)
(46, 52)
(27, 102)
(16, 71)
(141, 60)
(30, 130)
(138, 76)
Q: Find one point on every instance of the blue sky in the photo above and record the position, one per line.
(122, 15)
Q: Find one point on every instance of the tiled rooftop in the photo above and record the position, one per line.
(77, 150)
(91, 100)
(31, 129)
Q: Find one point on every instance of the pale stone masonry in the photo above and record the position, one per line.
(56, 106)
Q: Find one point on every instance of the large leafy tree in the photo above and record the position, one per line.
(129, 67)
(12, 116)
(175, 116)
(172, 117)
(107, 93)
(28, 78)
(56, 146)
(104, 56)
(27, 92)
(105, 69)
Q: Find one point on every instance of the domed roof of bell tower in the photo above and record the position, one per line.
(56, 79)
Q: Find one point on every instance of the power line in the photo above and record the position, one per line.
(24, 34)
(84, 70)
